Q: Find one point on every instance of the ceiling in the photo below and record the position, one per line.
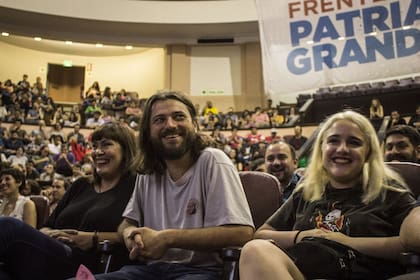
(84, 32)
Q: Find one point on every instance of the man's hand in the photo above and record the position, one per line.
(145, 243)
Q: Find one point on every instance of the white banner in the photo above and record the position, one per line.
(307, 44)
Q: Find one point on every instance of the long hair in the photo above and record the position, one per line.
(376, 176)
(123, 136)
(147, 160)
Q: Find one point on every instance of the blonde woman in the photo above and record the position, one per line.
(348, 196)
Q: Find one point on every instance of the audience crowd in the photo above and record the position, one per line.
(51, 159)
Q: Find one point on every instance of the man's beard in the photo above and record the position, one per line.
(399, 157)
(173, 153)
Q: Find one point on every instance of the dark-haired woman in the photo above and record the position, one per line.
(13, 204)
(89, 212)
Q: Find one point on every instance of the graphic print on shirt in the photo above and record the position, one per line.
(192, 206)
(333, 221)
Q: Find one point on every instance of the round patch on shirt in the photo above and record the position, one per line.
(192, 206)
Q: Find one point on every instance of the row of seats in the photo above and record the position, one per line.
(362, 89)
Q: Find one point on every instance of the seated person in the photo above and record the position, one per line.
(89, 212)
(281, 162)
(13, 204)
(58, 189)
(396, 119)
(188, 200)
(402, 143)
(95, 121)
(348, 195)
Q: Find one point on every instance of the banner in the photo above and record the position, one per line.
(308, 44)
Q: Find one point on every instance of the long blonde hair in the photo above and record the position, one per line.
(376, 176)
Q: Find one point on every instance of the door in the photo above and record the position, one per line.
(64, 83)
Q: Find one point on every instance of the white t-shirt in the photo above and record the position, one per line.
(209, 194)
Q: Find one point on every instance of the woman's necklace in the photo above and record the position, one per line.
(9, 206)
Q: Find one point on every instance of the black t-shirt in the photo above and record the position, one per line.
(84, 209)
(343, 210)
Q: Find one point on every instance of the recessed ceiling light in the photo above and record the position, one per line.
(406, 27)
(310, 42)
(69, 42)
(37, 38)
(129, 47)
(99, 45)
(5, 34)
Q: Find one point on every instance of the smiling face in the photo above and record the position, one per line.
(344, 151)
(8, 185)
(399, 148)
(58, 190)
(107, 157)
(280, 162)
(171, 129)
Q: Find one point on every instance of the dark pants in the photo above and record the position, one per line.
(161, 271)
(27, 253)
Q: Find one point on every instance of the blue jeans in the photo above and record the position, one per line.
(162, 271)
(26, 253)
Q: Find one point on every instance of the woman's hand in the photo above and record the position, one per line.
(327, 234)
(71, 237)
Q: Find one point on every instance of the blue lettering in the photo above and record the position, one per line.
(325, 29)
(400, 37)
(298, 66)
(396, 15)
(348, 21)
(352, 52)
(298, 30)
(370, 21)
(412, 14)
(386, 49)
(324, 54)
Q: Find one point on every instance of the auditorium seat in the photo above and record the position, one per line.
(42, 209)
(323, 90)
(350, 90)
(405, 83)
(409, 171)
(363, 88)
(376, 87)
(390, 85)
(301, 99)
(264, 196)
(416, 82)
(337, 89)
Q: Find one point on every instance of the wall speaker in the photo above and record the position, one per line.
(215, 41)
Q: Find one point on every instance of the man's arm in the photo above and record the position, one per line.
(146, 243)
(211, 238)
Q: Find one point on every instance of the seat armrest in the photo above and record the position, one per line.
(230, 257)
(410, 260)
(106, 248)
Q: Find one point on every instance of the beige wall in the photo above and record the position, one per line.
(142, 72)
(250, 76)
(148, 71)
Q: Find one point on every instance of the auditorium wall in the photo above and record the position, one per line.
(142, 72)
(168, 67)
